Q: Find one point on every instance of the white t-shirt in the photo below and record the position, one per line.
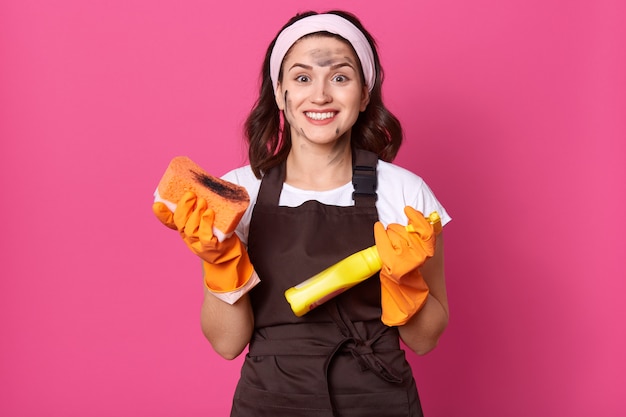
(397, 188)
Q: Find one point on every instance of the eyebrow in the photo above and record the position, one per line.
(323, 64)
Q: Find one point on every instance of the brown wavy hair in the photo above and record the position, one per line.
(269, 136)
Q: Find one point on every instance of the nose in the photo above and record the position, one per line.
(320, 93)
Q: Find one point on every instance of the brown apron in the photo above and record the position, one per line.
(339, 359)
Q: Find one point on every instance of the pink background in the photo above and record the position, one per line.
(514, 113)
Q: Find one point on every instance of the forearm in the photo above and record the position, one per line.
(422, 332)
(227, 327)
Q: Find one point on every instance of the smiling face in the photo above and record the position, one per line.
(321, 92)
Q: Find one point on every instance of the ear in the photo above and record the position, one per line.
(278, 96)
(365, 98)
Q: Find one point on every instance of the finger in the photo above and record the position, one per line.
(398, 235)
(184, 208)
(193, 222)
(417, 219)
(205, 232)
(381, 238)
(390, 242)
(422, 228)
(164, 215)
(410, 244)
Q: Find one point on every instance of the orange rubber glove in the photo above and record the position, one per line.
(228, 272)
(403, 252)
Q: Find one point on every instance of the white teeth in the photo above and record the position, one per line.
(320, 116)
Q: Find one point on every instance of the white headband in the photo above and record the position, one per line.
(323, 23)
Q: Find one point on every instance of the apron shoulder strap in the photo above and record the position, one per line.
(271, 185)
(364, 178)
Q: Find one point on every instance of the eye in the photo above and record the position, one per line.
(303, 78)
(340, 78)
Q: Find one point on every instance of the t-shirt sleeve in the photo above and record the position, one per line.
(426, 202)
(398, 188)
(244, 177)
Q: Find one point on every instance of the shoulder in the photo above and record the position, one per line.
(398, 183)
(398, 187)
(388, 172)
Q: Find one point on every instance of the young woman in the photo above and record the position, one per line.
(322, 187)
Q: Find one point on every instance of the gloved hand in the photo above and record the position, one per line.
(164, 214)
(403, 252)
(226, 265)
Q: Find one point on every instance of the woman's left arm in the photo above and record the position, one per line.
(422, 332)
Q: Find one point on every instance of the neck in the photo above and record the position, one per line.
(319, 169)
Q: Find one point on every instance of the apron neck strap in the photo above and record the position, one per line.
(364, 178)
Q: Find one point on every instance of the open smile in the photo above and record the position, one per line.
(319, 116)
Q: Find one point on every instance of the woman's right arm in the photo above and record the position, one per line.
(227, 327)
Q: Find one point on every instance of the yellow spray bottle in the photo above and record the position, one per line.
(341, 276)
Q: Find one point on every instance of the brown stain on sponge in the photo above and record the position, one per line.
(221, 187)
